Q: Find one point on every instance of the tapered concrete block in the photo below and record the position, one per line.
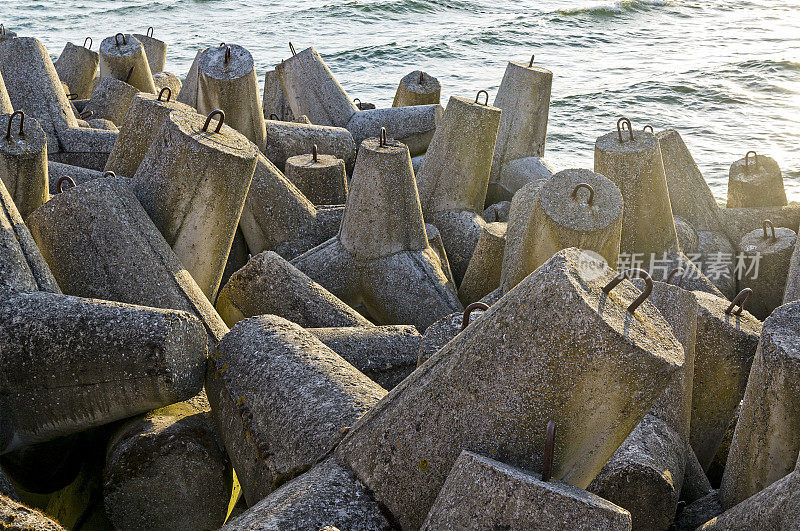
(5, 101)
(515, 174)
(689, 194)
(193, 183)
(767, 438)
(385, 354)
(155, 50)
(724, 350)
(73, 363)
(413, 126)
(633, 162)
(485, 267)
(268, 284)
(497, 212)
(17, 516)
(114, 252)
(576, 208)
(699, 512)
(103, 124)
(122, 57)
(481, 493)
(737, 222)
(773, 249)
(188, 93)
(755, 181)
(23, 162)
(111, 99)
(287, 139)
(328, 495)
(524, 98)
(78, 175)
(274, 100)
(77, 67)
(442, 331)
(717, 256)
(792, 291)
(417, 88)
(167, 470)
(452, 406)
(281, 399)
(695, 482)
(88, 148)
(142, 124)
(321, 178)
(168, 80)
(688, 239)
(312, 90)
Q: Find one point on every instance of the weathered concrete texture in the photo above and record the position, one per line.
(322, 179)
(441, 332)
(695, 482)
(102, 123)
(268, 284)
(142, 124)
(155, 50)
(451, 405)
(111, 99)
(435, 241)
(227, 80)
(23, 163)
(755, 182)
(77, 66)
(118, 57)
(635, 166)
(6, 488)
(237, 257)
(274, 100)
(775, 507)
(565, 214)
(484, 269)
(57, 170)
(113, 361)
(381, 256)
(327, 495)
(687, 236)
(188, 93)
(326, 226)
(5, 101)
(287, 139)
(724, 350)
(698, 513)
(517, 173)
(193, 185)
(481, 493)
(311, 89)
(792, 291)
(385, 354)
(413, 126)
(766, 442)
(275, 211)
(717, 468)
(88, 148)
(18, 517)
(417, 88)
(114, 252)
(524, 98)
(168, 80)
(737, 222)
(717, 257)
(768, 282)
(281, 398)
(689, 194)
(167, 470)
(497, 212)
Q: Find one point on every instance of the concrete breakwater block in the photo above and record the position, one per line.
(23, 161)
(417, 88)
(168, 80)
(15, 515)
(792, 291)
(481, 493)
(484, 270)
(111, 99)
(773, 249)
(274, 102)
(755, 181)
(287, 139)
(737, 222)
(154, 49)
(452, 406)
(321, 178)
(122, 57)
(77, 67)
(281, 399)
(5, 101)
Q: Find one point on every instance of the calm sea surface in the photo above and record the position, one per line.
(725, 74)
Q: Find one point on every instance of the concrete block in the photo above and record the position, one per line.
(155, 50)
(77, 67)
(755, 181)
(417, 88)
(773, 249)
(122, 57)
(287, 139)
(23, 161)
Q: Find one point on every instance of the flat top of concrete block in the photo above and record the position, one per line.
(152, 99)
(566, 201)
(228, 140)
(113, 87)
(782, 329)
(711, 305)
(429, 84)
(758, 167)
(146, 39)
(120, 45)
(218, 63)
(754, 241)
(528, 66)
(642, 141)
(473, 103)
(31, 142)
(307, 161)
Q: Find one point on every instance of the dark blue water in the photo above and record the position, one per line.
(725, 74)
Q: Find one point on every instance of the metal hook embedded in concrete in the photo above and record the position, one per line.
(468, 311)
(65, 179)
(161, 93)
(275, 115)
(357, 104)
(768, 223)
(149, 31)
(588, 187)
(746, 292)
(747, 160)
(227, 53)
(116, 41)
(85, 115)
(21, 115)
(641, 273)
(109, 173)
(652, 131)
(215, 112)
(90, 42)
(621, 127)
(2, 29)
(549, 450)
(291, 47)
(72, 96)
(486, 102)
(674, 272)
(383, 141)
(530, 63)
(130, 73)
(314, 153)
(421, 77)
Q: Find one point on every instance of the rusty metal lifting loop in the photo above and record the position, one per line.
(109, 173)
(90, 42)
(227, 53)
(747, 160)
(468, 311)
(588, 187)
(746, 292)
(652, 131)
(130, 73)
(275, 115)
(621, 127)
(421, 77)
(641, 273)
(549, 450)
(674, 272)
(382, 141)
(2, 29)
(221, 44)
(72, 96)
(85, 115)
(358, 105)
(291, 47)
(21, 115)
(65, 179)
(116, 40)
(486, 102)
(314, 153)
(530, 63)
(215, 112)
(768, 223)
(161, 93)
(149, 32)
